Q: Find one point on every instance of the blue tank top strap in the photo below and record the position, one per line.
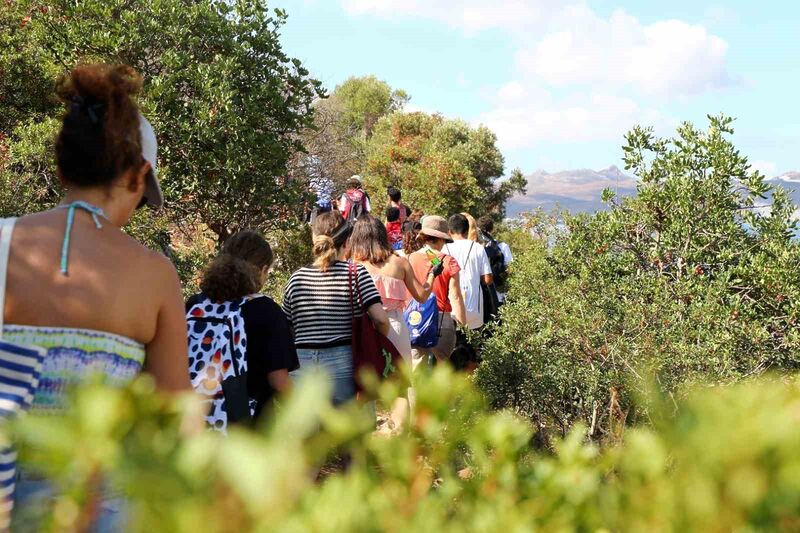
(93, 210)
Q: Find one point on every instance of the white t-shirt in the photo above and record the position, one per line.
(474, 263)
(507, 257)
(507, 260)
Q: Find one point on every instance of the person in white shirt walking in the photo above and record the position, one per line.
(475, 268)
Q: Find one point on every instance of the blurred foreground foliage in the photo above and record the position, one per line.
(726, 461)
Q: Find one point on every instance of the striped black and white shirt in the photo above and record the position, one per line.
(317, 304)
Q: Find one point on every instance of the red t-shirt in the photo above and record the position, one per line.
(395, 232)
(441, 285)
(404, 211)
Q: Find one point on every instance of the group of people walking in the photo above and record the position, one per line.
(92, 302)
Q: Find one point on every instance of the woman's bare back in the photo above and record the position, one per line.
(114, 284)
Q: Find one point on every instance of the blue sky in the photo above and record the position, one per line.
(560, 82)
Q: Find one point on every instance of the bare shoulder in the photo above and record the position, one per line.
(401, 262)
(162, 267)
(154, 266)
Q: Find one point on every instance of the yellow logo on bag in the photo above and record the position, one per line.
(414, 318)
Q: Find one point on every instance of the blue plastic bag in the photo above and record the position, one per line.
(423, 322)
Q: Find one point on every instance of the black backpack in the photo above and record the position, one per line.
(497, 262)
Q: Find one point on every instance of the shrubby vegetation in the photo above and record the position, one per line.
(691, 280)
(243, 128)
(229, 105)
(444, 166)
(727, 461)
(441, 165)
(335, 145)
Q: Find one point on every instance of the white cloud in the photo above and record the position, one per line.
(579, 76)
(566, 44)
(666, 58)
(768, 168)
(523, 118)
(467, 15)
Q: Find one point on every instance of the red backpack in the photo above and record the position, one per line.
(356, 204)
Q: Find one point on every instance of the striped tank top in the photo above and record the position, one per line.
(77, 356)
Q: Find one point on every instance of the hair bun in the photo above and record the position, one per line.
(99, 137)
(99, 82)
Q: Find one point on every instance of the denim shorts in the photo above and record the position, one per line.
(336, 363)
(34, 497)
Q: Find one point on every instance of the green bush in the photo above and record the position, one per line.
(292, 247)
(727, 461)
(693, 279)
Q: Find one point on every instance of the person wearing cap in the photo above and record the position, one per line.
(102, 306)
(355, 201)
(433, 235)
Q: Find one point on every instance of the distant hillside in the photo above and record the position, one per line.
(580, 190)
(791, 182)
(574, 190)
(789, 177)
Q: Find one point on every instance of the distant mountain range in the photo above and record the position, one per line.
(580, 190)
(573, 190)
(789, 177)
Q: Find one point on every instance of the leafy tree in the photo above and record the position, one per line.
(695, 278)
(365, 100)
(227, 103)
(441, 165)
(335, 144)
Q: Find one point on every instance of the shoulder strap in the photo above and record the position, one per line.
(6, 229)
(470, 252)
(355, 290)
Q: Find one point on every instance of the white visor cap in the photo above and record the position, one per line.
(152, 190)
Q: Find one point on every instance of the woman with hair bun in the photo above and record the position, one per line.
(317, 303)
(102, 306)
(263, 346)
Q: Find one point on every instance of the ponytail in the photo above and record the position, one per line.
(325, 252)
(331, 233)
